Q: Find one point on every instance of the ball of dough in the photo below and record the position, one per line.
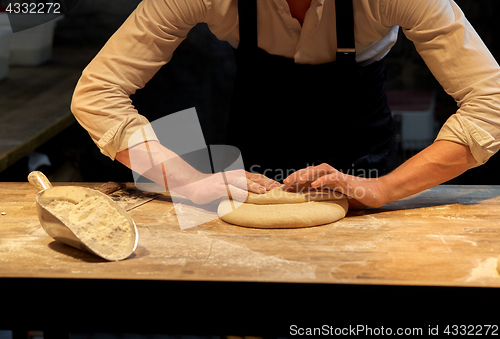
(280, 209)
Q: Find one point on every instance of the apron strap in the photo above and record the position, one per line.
(247, 20)
(346, 47)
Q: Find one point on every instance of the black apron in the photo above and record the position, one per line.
(287, 116)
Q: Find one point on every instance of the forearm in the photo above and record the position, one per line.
(161, 165)
(164, 167)
(438, 163)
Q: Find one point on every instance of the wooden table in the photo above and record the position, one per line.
(437, 250)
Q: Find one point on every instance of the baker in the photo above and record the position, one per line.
(309, 103)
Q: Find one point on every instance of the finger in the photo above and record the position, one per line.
(312, 173)
(262, 180)
(333, 182)
(237, 178)
(242, 182)
(237, 193)
(330, 181)
(298, 187)
(295, 176)
(255, 187)
(316, 172)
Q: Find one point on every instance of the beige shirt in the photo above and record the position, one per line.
(442, 35)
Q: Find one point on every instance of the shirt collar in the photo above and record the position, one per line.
(317, 3)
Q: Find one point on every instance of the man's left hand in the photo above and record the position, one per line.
(363, 192)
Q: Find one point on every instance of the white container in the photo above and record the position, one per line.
(33, 46)
(5, 37)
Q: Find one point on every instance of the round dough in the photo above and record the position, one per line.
(279, 196)
(280, 209)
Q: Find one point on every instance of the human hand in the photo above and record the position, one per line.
(362, 192)
(235, 184)
(157, 163)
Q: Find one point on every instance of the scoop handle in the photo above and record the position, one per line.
(39, 180)
(110, 187)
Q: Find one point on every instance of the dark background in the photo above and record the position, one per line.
(201, 74)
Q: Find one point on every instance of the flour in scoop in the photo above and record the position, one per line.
(97, 223)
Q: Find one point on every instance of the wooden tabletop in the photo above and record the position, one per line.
(436, 251)
(446, 236)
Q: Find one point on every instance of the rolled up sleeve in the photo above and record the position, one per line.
(462, 64)
(139, 48)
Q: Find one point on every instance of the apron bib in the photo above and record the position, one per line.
(287, 116)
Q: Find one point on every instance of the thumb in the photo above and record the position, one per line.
(237, 193)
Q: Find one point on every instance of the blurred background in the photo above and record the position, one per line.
(37, 130)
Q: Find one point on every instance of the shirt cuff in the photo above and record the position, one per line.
(123, 135)
(463, 131)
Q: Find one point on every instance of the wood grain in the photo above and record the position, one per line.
(446, 236)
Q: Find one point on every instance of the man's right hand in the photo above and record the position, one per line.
(235, 184)
(167, 169)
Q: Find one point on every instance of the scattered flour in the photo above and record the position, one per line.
(484, 272)
(97, 223)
